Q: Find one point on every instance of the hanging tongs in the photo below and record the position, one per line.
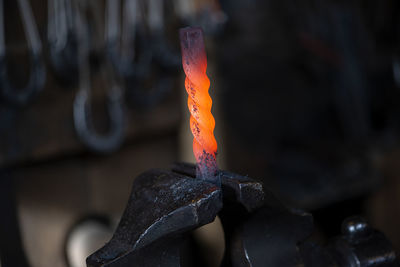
(83, 120)
(127, 46)
(164, 54)
(130, 48)
(62, 39)
(21, 96)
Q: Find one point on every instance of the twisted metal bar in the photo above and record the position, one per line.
(202, 122)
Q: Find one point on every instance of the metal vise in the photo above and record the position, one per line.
(165, 206)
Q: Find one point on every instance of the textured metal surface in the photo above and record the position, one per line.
(360, 245)
(259, 230)
(197, 84)
(235, 188)
(162, 204)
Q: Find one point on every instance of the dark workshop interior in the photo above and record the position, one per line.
(96, 151)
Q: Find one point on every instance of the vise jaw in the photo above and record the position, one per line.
(165, 206)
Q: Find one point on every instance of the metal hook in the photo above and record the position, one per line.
(63, 43)
(163, 53)
(21, 96)
(135, 65)
(122, 40)
(84, 127)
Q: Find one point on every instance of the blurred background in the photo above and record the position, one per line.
(92, 94)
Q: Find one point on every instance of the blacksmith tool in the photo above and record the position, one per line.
(135, 46)
(163, 206)
(127, 47)
(83, 120)
(21, 96)
(166, 205)
(164, 54)
(63, 40)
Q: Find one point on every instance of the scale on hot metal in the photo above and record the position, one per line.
(165, 206)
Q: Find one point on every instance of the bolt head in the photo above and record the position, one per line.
(355, 227)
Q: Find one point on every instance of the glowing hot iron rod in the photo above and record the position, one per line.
(202, 123)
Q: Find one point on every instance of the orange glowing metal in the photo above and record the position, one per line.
(202, 122)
